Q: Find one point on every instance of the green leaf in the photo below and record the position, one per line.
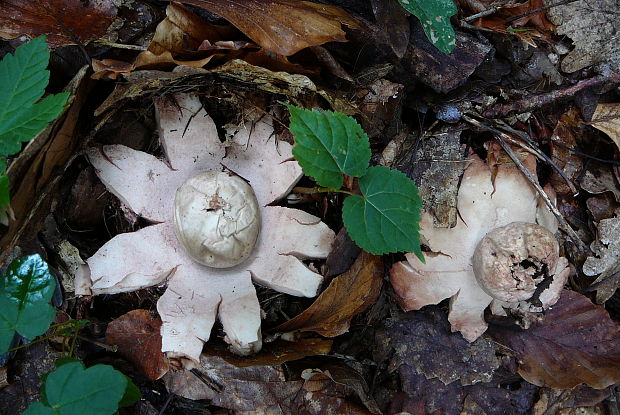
(434, 15)
(328, 145)
(25, 291)
(132, 394)
(23, 79)
(385, 218)
(73, 390)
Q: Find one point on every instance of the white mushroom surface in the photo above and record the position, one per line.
(484, 203)
(197, 294)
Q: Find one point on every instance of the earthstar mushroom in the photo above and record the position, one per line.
(213, 230)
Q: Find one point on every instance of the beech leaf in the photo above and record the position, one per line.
(25, 291)
(575, 342)
(385, 218)
(346, 296)
(434, 15)
(328, 145)
(282, 26)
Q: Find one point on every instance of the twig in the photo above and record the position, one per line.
(106, 42)
(528, 174)
(532, 102)
(539, 9)
(531, 147)
(483, 13)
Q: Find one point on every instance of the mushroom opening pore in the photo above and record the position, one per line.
(511, 261)
(216, 218)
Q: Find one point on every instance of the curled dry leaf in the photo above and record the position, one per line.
(346, 296)
(282, 26)
(137, 336)
(485, 202)
(574, 342)
(606, 263)
(65, 22)
(197, 294)
(607, 119)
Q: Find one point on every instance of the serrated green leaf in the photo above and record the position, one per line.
(328, 145)
(434, 15)
(25, 291)
(386, 217)
(23, 79)
(28, 280)
(73, 390)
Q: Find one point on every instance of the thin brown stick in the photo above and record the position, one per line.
(532, 102)
(563, 224)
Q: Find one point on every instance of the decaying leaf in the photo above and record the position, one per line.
(593, 27)
(282, 26)
(262, 389)
(606, 263)
(423, 340)
(65, 22)
(574, 342)
(347, 295)
(137, 336)
(607, 119)
(197, 294)
(554, 401)
(486, 201)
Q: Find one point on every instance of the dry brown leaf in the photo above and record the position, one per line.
(565, 133)
(347, 295)
(65, 22)
(575, 342)
(557, 401)
(282, 26)
(424, 341)
(262, 389)
(35, 173)
(137, 336)
(606, 262)
(274, 353)
(594, 27)
(607, 119)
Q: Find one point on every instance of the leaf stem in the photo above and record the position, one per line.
(318, 189)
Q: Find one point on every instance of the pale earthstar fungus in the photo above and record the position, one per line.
(495, 255)
(203, 211)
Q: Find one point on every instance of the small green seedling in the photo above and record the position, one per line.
(23, 114)
(72, 389)
(25, 292)
(385, 217)
(434, 15)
